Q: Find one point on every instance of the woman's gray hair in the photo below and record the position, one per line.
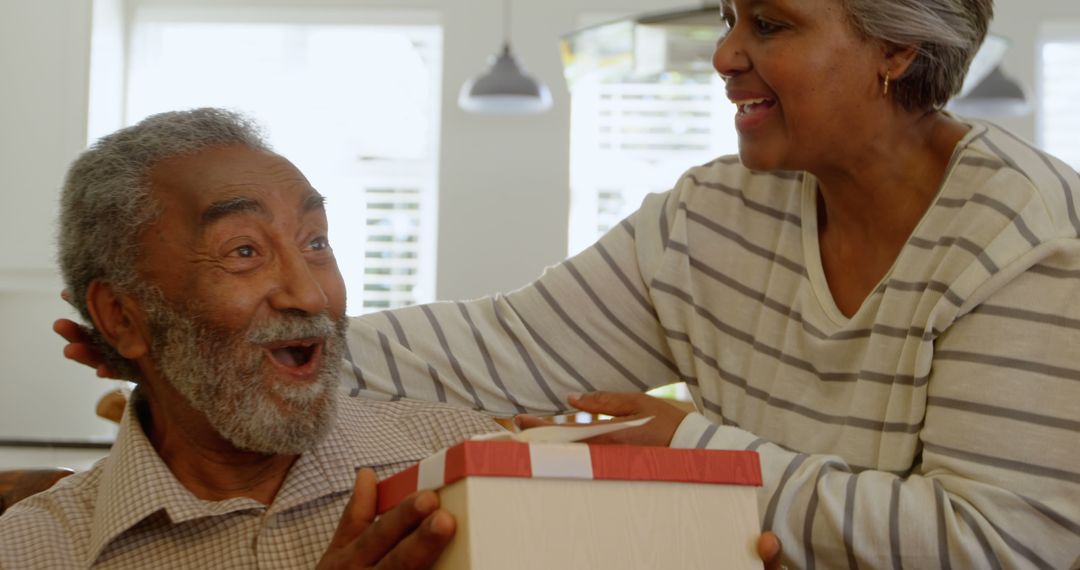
(946, 33)
(106, 201)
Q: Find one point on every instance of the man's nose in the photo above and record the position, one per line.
(297, 287)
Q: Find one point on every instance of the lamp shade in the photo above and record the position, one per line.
(987, 92)
(995, 96)
(504, 90)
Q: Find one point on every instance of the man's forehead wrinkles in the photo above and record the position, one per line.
(285, 179)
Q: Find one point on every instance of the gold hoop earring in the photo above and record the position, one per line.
(885, 90)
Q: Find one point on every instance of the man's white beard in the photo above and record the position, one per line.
(220, 373)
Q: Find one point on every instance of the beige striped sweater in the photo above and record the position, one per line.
(939, 426)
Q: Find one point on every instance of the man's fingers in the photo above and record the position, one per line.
(394, 526)
(421, 548)
(359, 511)
(407, 536)
(608, 403)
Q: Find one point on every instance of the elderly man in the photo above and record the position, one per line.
(202, 260)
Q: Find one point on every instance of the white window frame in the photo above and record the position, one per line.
(1065, 31)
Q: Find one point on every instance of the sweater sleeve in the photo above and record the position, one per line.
(586, 324)
(999, 482)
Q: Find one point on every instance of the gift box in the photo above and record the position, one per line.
(571, 505)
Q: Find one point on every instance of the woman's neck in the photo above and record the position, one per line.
(881, 190)
(869, 205)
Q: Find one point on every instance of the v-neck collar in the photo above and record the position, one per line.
(815, 270)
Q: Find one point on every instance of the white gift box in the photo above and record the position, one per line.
(571, 505)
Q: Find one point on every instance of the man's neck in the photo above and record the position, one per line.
(206, 464)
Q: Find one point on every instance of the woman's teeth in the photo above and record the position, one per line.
(749, 105)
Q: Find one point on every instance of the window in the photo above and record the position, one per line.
(630, 137)
(633, 132)
(354, 102)
(1059, 118)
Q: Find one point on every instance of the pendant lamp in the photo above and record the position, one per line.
(504, 89)
(987, 92)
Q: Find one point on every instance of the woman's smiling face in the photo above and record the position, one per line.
(807, 85)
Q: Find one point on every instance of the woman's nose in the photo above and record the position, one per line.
(729, 58)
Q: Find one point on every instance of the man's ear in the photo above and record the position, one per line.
(118, 317)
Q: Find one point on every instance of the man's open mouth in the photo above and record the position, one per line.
(295, 354)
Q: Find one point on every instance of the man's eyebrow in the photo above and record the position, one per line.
(230, 207)
(312, 202)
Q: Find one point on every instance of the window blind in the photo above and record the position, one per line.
(633, 137)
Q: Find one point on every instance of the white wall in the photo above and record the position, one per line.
(504, 194)
(43, 71)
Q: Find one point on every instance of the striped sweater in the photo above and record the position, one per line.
(939, 426)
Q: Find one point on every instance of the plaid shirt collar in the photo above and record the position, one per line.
(135, 483)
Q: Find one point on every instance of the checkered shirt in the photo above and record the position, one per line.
(129, 511)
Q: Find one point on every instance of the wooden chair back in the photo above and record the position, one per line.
(18, 484)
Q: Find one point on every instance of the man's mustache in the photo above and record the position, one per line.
(283, 327)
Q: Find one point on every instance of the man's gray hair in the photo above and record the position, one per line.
(106, 202)
(947, 33)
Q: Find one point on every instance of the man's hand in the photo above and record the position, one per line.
(80, 347)
(624, 406)
(409, 536)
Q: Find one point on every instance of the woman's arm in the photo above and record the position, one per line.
(586, 324)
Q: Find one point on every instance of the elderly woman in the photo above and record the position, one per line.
(876, 296)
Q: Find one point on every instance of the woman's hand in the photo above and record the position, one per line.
(80, 347)
(769, 549)
(623, 406)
